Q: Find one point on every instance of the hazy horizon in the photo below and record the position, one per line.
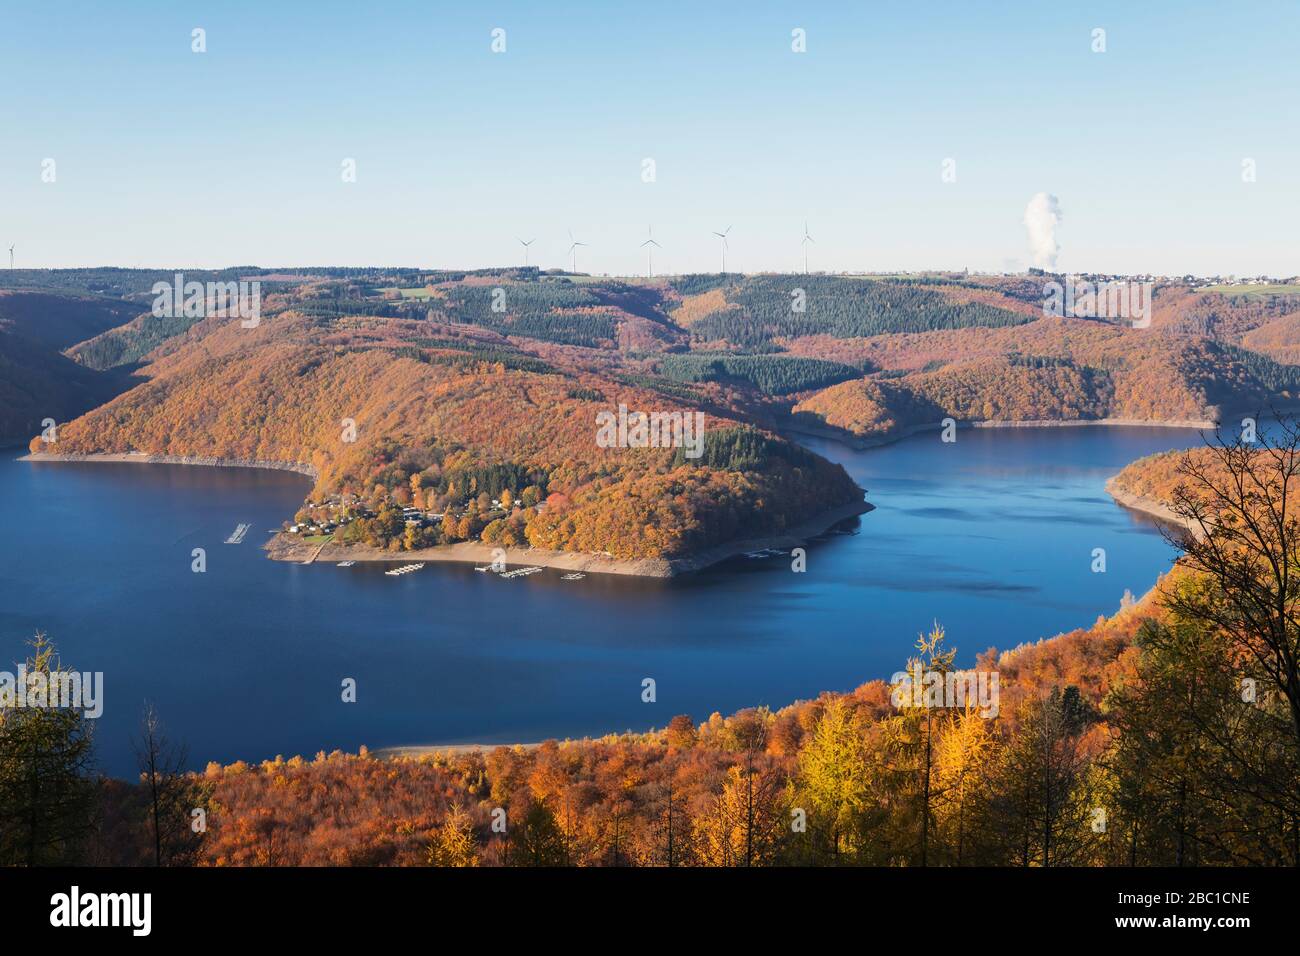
(630, 277)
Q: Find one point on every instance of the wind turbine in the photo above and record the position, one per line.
(806, 239)
(573, 251)
(650, 253)
(722, 236)
(526, 245)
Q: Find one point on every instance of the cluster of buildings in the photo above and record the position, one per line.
(344, 509)
(1196, 282)
(1202, 281)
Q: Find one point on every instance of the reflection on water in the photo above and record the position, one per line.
(991, 536)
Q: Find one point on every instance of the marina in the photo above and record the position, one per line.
(516, 573)
(520, 572)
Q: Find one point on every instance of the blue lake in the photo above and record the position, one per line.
(992, 536)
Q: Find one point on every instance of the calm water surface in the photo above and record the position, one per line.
(992, 536)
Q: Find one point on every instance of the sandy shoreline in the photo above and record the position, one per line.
(864, 442)
(416, 751)
(143, 458)
(286, 547)
(1148, 506)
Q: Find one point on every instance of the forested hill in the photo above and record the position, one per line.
(439, 404)
(472, 397)
(37, 381)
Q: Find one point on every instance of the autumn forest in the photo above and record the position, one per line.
(433, 408)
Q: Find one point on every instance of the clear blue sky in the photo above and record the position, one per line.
(169, 158)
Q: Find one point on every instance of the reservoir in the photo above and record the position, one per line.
(993, 536)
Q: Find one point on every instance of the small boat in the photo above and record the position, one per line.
(486, 567)
(404, 569)
(519, 572)
(574, 576)
(345, 564)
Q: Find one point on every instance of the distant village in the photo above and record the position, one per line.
(420, 527)
(1195, 282)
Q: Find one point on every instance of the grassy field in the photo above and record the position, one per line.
(1255, 291)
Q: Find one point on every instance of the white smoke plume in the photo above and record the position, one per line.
(1041, 218)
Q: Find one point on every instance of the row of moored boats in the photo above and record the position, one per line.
(500, 572)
